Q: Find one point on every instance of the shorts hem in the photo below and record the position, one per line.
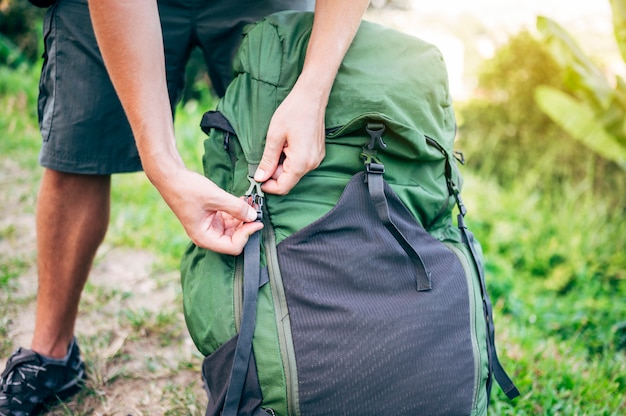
(90, 167)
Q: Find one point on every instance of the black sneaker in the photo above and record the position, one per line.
(30, 381)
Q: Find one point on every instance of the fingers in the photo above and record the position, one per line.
(270, 159)
(234, 244)
(218, 200)
(240, 238)
(281, 182)
(223, 233)
(212, 218)
(237, 207)
(288, 164)
(231, 227)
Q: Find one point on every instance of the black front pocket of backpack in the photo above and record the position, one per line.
(366, 341)
(216, 369)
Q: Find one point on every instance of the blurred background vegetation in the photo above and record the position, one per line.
(544, 136)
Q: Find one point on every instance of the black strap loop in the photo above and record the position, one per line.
(376, 188)
(215, 119)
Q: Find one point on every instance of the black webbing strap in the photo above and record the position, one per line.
(495, 368)
(505, 382)
(375, 185)
(243, 350)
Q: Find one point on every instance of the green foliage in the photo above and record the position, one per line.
(20, 32)
(549, 214)
(587, 106)
(10, 54)
(500, 132)
(619, 25)
(18, 124)
(506, 136)
(579, 72)
(578, 118)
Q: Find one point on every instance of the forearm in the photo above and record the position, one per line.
(297, 126)
(130, 40)
(334, 27)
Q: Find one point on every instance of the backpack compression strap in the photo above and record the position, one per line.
(495, 367)
(252, 278)
(505, 382)
(375, 185)
(251, 283)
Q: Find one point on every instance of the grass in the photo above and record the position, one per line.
(556, 273)
(556, 276)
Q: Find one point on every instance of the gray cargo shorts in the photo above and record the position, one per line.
(82, 122)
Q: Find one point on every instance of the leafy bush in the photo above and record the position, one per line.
(20, 32)
(591, 107)
(18, 124)
(505, 136)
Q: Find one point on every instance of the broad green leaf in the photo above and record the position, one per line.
(619, 24)
(579, 121)
(584, 76)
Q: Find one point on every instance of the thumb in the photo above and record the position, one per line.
(269, 160)
(239, 209)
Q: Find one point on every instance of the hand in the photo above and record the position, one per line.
(297, 127)
(295, 141)
(212, 218)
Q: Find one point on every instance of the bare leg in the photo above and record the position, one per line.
(72, 219)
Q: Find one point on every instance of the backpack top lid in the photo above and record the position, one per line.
(386, 75)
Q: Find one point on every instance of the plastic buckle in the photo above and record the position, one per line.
(255, 197)
(372, 162)
(373, 167)
(376, 130)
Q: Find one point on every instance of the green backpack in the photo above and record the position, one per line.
(360, 296)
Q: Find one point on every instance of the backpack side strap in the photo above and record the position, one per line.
(375, 170)
(495, 368)
(251, 283)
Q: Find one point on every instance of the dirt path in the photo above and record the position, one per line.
(140, 358)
